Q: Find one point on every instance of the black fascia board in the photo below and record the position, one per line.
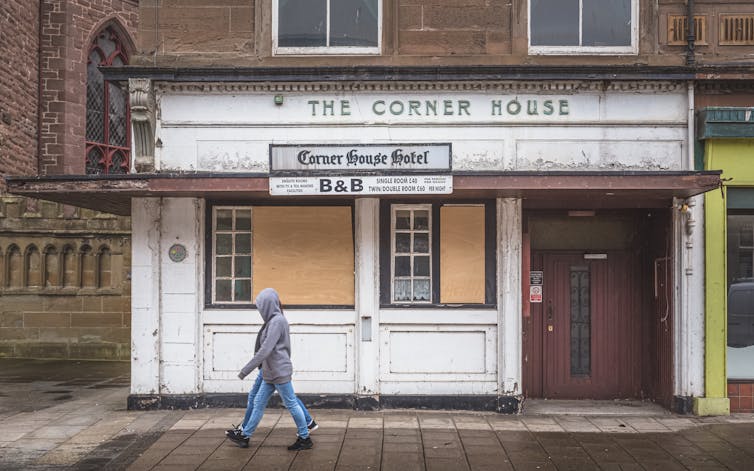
(409, 73)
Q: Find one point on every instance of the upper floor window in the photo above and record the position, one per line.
(107, 122)
(583, 26)
(326, 26)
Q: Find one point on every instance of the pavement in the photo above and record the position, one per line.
(71, 415)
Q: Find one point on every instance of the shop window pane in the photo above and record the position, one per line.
(224, 245)
(421, 266)
(222, 290)
(224, 220)
(243, 243)
(740, 352)
(403, 219)
(421, 243)
(242, 267)
(422, 290)
(222, 266)
(421, 220)
(402, 290)
(402, 243)
(243, 220)
(242, 291)
(402, 266)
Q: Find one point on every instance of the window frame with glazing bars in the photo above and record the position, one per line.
(105, 149)
(233, 255)
(326, 49)
(387, 254)
(630, 49)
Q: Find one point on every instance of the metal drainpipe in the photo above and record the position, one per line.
(691, 36)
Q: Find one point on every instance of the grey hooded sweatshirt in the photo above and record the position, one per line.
(274, 354)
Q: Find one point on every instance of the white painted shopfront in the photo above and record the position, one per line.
(192, 330)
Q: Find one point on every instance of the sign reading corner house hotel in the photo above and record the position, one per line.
(360, 169)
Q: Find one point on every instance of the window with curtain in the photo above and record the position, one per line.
(107, 121)
(327, 26)
(437, 254)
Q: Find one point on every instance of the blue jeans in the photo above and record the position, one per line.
(250, 402)
(261, 393)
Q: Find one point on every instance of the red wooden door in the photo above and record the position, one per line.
(590, 327)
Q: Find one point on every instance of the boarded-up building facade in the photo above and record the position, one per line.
(462, 204)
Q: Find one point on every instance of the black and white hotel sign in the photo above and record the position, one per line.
(362, 169)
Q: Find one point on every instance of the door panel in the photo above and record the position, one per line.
(590, 327)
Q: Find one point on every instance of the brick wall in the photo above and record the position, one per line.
(19, 40)
(67, 28)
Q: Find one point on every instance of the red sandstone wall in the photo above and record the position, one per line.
(19, 83)
(67, 28)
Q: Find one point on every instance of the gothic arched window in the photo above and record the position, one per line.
(107, 122)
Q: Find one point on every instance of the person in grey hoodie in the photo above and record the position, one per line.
(274, 357)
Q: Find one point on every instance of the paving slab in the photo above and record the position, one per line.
(71, 415)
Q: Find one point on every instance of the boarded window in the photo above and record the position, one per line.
(462, 254)
(305, 253)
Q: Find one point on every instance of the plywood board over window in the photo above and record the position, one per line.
(462, 263)
(305, 253)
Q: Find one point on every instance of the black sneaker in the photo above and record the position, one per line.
(239, 439)
(301, 444)
(232, 430)
(312, 426)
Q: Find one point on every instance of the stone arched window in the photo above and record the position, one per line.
(88, 267)
(33, 267)
(107, 121)
(51, 267)
(70, 269)
(14, 269)
(104, 268)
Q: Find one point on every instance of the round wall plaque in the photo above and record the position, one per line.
(177, 253)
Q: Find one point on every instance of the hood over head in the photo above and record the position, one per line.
(268, 304)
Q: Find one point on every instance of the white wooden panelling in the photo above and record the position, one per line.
(434, 388)
(432, 353)
(509, 252)
(179, 378)
(178, 327)
(439, 316)
(437, 353)
(322, 355)
(145, 301)
(297, 316)
(366, 232)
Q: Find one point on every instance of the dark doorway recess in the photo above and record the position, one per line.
(603, 328)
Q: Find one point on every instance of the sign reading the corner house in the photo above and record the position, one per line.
(360, 169)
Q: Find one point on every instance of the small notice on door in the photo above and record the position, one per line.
(536, 277)
(535, 294)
